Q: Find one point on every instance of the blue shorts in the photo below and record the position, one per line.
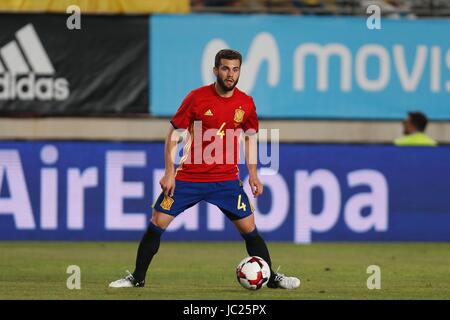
(228, 196)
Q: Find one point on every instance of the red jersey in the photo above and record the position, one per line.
(211, 152)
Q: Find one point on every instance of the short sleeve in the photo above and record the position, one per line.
(251, 123)
(185, 113)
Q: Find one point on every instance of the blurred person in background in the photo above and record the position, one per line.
(414, 131)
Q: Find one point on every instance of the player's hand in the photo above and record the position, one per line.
(167, 184)
(256, 186)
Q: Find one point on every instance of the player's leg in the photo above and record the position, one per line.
(256, 246)
(254, 243)
(232, 200)
(149, 244)
(235, 204)
(148, 247)
(165, 210)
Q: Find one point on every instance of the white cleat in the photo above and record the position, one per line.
(285, 282)
(127, 282)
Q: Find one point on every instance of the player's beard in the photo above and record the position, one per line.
(224, 87)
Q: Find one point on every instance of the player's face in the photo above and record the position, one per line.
(228, 74)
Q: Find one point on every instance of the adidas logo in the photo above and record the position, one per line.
(208, 113)
(26, 72)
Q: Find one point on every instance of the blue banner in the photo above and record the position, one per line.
(308, 67)
(104, 191)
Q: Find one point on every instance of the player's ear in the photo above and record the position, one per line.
(216, 71)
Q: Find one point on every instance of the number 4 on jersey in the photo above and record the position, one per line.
(220, 132)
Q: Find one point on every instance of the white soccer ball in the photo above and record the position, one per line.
(253, 273)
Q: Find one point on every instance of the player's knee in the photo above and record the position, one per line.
(157, 222)
(248, 229)
(245, 225)
(160, 220)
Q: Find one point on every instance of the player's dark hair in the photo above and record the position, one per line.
(227, 54)
(419, 120)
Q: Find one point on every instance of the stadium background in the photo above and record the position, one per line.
(81, 152)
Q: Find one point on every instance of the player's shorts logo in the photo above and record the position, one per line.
(238, 115)
(166, 204)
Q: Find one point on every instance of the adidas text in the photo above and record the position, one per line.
(30, 87)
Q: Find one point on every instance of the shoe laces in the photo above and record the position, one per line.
(279, 276)
(130, 276)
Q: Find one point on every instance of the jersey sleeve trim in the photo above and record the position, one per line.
(173, 125)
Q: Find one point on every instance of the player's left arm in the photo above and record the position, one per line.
(251, 151)
(251, 158)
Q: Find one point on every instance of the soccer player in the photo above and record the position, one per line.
(208, 169)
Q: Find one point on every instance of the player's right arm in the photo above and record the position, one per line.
(167, 182)
(181, 120)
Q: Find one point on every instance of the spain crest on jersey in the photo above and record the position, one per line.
(239, 115)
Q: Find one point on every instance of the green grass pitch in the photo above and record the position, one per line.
(205, 270)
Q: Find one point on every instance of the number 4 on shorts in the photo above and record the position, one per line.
(240, 204)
